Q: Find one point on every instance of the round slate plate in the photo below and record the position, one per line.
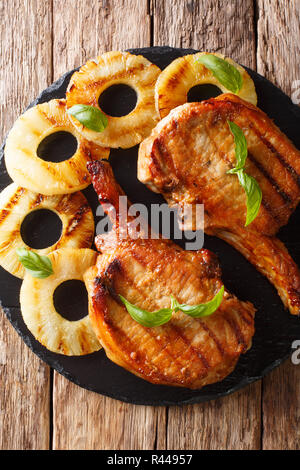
(276, 329)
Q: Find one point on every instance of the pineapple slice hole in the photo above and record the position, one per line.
(57, 147)
(202, 92)
(41, 228)
(118, 100)
(70, 300)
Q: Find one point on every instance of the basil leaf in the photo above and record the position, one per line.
(250, 185)
(145, 318)
(90, 116)
(201, 310)
(240, 146)
(226, 73)
(36, 265)
(160, 317)
(254, 195)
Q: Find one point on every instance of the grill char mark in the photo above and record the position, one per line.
(14, 200)
(76, 219)
(237, 331)
(160, 149)
(287, 199)
(278, 155)
(213, 337)
(195, 351)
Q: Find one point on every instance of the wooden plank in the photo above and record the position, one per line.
(281, 409)
(82, 419)
(228, 27)
(26, 69)
(25, 394)
(26, 51)
(232, 422)
(225, 26)
(91, 28)
(278, 59)
(98, 422)
(278, 47)
(123, 24)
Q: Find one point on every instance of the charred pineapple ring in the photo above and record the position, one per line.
(71, 338)
(114, 68)
(31, 172)
(16, 202)
(182, 74)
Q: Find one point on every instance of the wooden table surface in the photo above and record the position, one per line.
(42, 39)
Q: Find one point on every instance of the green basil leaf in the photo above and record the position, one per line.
(160, 317)
(250, 185)
(36, 265)
(226, 73)
(201, 310)
(254, 195)
(145, 318)
(90, 116)
(240, 142)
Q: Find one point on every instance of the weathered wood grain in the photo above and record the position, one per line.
(88, 29)
(281, 408)
(26, 69)
(278, 52)
(26, 55)
(232, 422)
(123, 24)
(74, 34)
(24, 385)
(97, 422)
(224, 26)
(228, 27)
(278, 44)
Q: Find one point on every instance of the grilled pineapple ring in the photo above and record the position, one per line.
(71, 338)
(114, 68)
(31, 172)
(184, 73)
(16, 202)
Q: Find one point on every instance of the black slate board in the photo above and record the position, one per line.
(276, 329)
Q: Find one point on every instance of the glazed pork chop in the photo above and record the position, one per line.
(186, 159)
(188, 352)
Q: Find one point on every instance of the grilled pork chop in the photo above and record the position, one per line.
(187, 157)
(188, 352)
